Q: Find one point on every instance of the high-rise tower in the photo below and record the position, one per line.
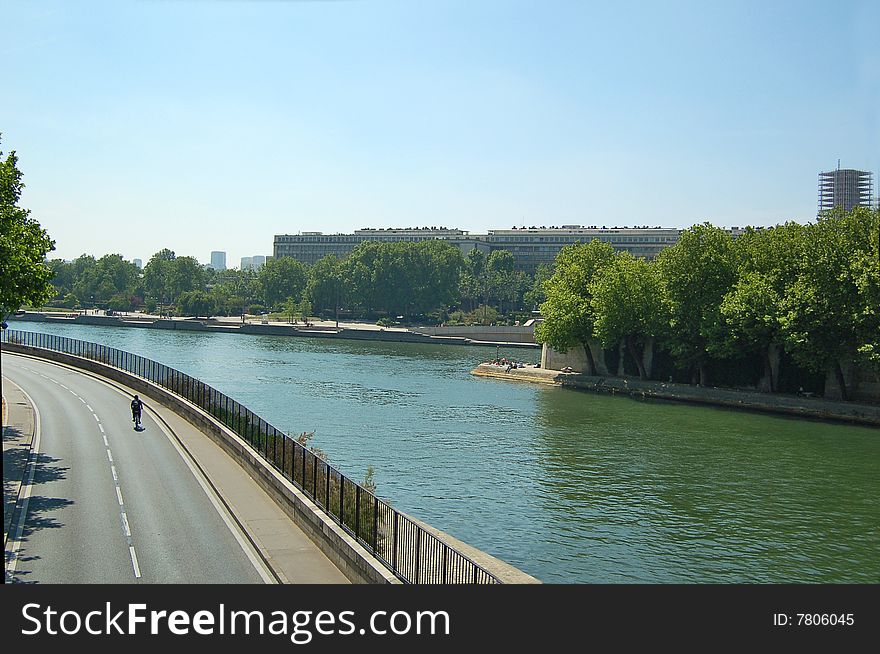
(846, 188)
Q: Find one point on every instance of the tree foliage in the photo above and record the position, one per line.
(697, 272)
(570, 318)
(24, 274)
(628, 305)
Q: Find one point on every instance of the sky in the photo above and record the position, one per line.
(207, 125)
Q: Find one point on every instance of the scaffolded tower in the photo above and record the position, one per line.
(846, 188)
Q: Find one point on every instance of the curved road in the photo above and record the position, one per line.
(111, 505)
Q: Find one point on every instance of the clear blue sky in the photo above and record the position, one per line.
(208, 125)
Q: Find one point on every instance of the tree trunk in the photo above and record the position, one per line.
(704, 373)
(631, 342)
(591, 365)
(648, 356)
(621, 349)
(841, 382)
(598, 357)
(774, 356)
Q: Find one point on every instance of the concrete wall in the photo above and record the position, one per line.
(804, 407)
(575, 358)
(501, 334)
(343, 550)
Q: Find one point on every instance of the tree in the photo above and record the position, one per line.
(569, 317)
(166, 276)
(196, 303)
(304, 308)
(830, 313)
(536, 295)
(697, 272)
(24, 274)
(627, 301)
(324, 286)
(768, 261)
(280, 279)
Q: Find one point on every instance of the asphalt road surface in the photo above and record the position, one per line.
(108, 504)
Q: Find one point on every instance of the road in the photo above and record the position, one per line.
(111, 505)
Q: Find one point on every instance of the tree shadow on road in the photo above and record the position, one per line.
(41, 509)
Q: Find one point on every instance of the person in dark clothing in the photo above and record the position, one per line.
(136, 408)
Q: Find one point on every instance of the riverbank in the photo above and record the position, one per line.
(326, 329)
(803, 407)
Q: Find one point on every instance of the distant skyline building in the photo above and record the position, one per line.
(258, 261)
(847, 188)
(246, 263)
(218, 260)
(530, 246)
(138, 263)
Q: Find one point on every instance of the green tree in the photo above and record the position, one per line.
(697, 272)
(627, 301)
(569, 317)
(196, 303)
(769, 261)
(829, 314)
(166, 276)
(324, 287)
(280, 279)
(304, 309)
(24, 274)
(536, 295)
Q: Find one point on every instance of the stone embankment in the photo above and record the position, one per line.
(803, 407)
(320, 330)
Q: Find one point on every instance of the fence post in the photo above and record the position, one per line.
(375, 523)
(357, 511)
(418, 553)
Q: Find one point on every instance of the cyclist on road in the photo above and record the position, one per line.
(136, 407)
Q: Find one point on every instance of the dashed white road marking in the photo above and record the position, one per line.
(14, 543)
(134, 562)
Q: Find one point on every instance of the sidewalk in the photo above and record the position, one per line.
(18, 435)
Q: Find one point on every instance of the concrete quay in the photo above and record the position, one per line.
(802, 407)
(325, 329)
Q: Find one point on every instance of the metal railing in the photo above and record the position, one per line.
(411, 553)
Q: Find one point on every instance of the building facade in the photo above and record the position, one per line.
(218, 260)
(846, 188)
(531, 246)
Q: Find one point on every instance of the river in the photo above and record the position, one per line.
(570, 486)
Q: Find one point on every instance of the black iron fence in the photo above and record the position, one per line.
(411, 553)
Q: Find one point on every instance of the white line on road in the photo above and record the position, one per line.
(115, 476)
(96, 417)
(90, 408)
(101, 427)
(106, 444)
(119, 495)
(82, 400)
(109, 456)
(134, 562)
(125, 525)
